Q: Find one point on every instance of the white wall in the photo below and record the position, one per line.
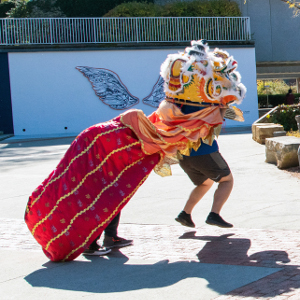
(49, 94)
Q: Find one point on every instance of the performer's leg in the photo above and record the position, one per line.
(94, 244)
(111, 238)
(220, 197)
(112, 228)
(222, 193)
(203, 170)
(192, 167)
(197, 194)
(95, 249)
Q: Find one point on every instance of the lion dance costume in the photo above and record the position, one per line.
(106, 163)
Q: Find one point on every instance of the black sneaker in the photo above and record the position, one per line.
(216, 220)
(96, 252)
(116, 242)
(185, 219)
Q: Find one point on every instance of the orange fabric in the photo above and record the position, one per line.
(168, 129)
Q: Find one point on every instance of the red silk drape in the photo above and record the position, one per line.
(97, 176)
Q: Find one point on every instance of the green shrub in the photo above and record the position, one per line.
(35, 9)
(5, 7)
(274, 100)
(19, 10)
(202, 8)
(44, 9)
(64, 8)
(197, 8)
(273, 87)
(177, 9)
(90, 8)
(285, 115)
(135, 9)
(120, 8)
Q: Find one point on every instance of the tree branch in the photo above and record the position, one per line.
(292, 3)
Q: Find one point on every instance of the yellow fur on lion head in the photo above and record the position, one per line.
(202, 76)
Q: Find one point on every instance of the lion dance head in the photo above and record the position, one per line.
(203, 76)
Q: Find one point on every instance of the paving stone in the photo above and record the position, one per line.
(235, 246)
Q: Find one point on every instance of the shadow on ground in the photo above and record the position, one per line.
(233, 251)
(116, 273)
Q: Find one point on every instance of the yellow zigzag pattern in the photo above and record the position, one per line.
(73, 159)
(110, 217)
(93, 203)
(80, 184)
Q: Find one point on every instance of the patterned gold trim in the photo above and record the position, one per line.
(93, 203)
(162, 139)
(156, 131)
(194, 129)
(80, 184)
(110, 217)
(73, 159)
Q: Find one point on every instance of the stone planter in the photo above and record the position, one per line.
(283, 151)
(261, 131)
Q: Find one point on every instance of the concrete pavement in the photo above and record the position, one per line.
(258, 258)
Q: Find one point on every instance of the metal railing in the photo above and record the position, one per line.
(122, 30)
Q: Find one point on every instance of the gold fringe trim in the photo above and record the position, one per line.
(194, 129)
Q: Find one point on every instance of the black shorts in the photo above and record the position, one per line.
(199, 168)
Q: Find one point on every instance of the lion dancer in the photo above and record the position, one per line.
(106, 164)
(199, 81)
